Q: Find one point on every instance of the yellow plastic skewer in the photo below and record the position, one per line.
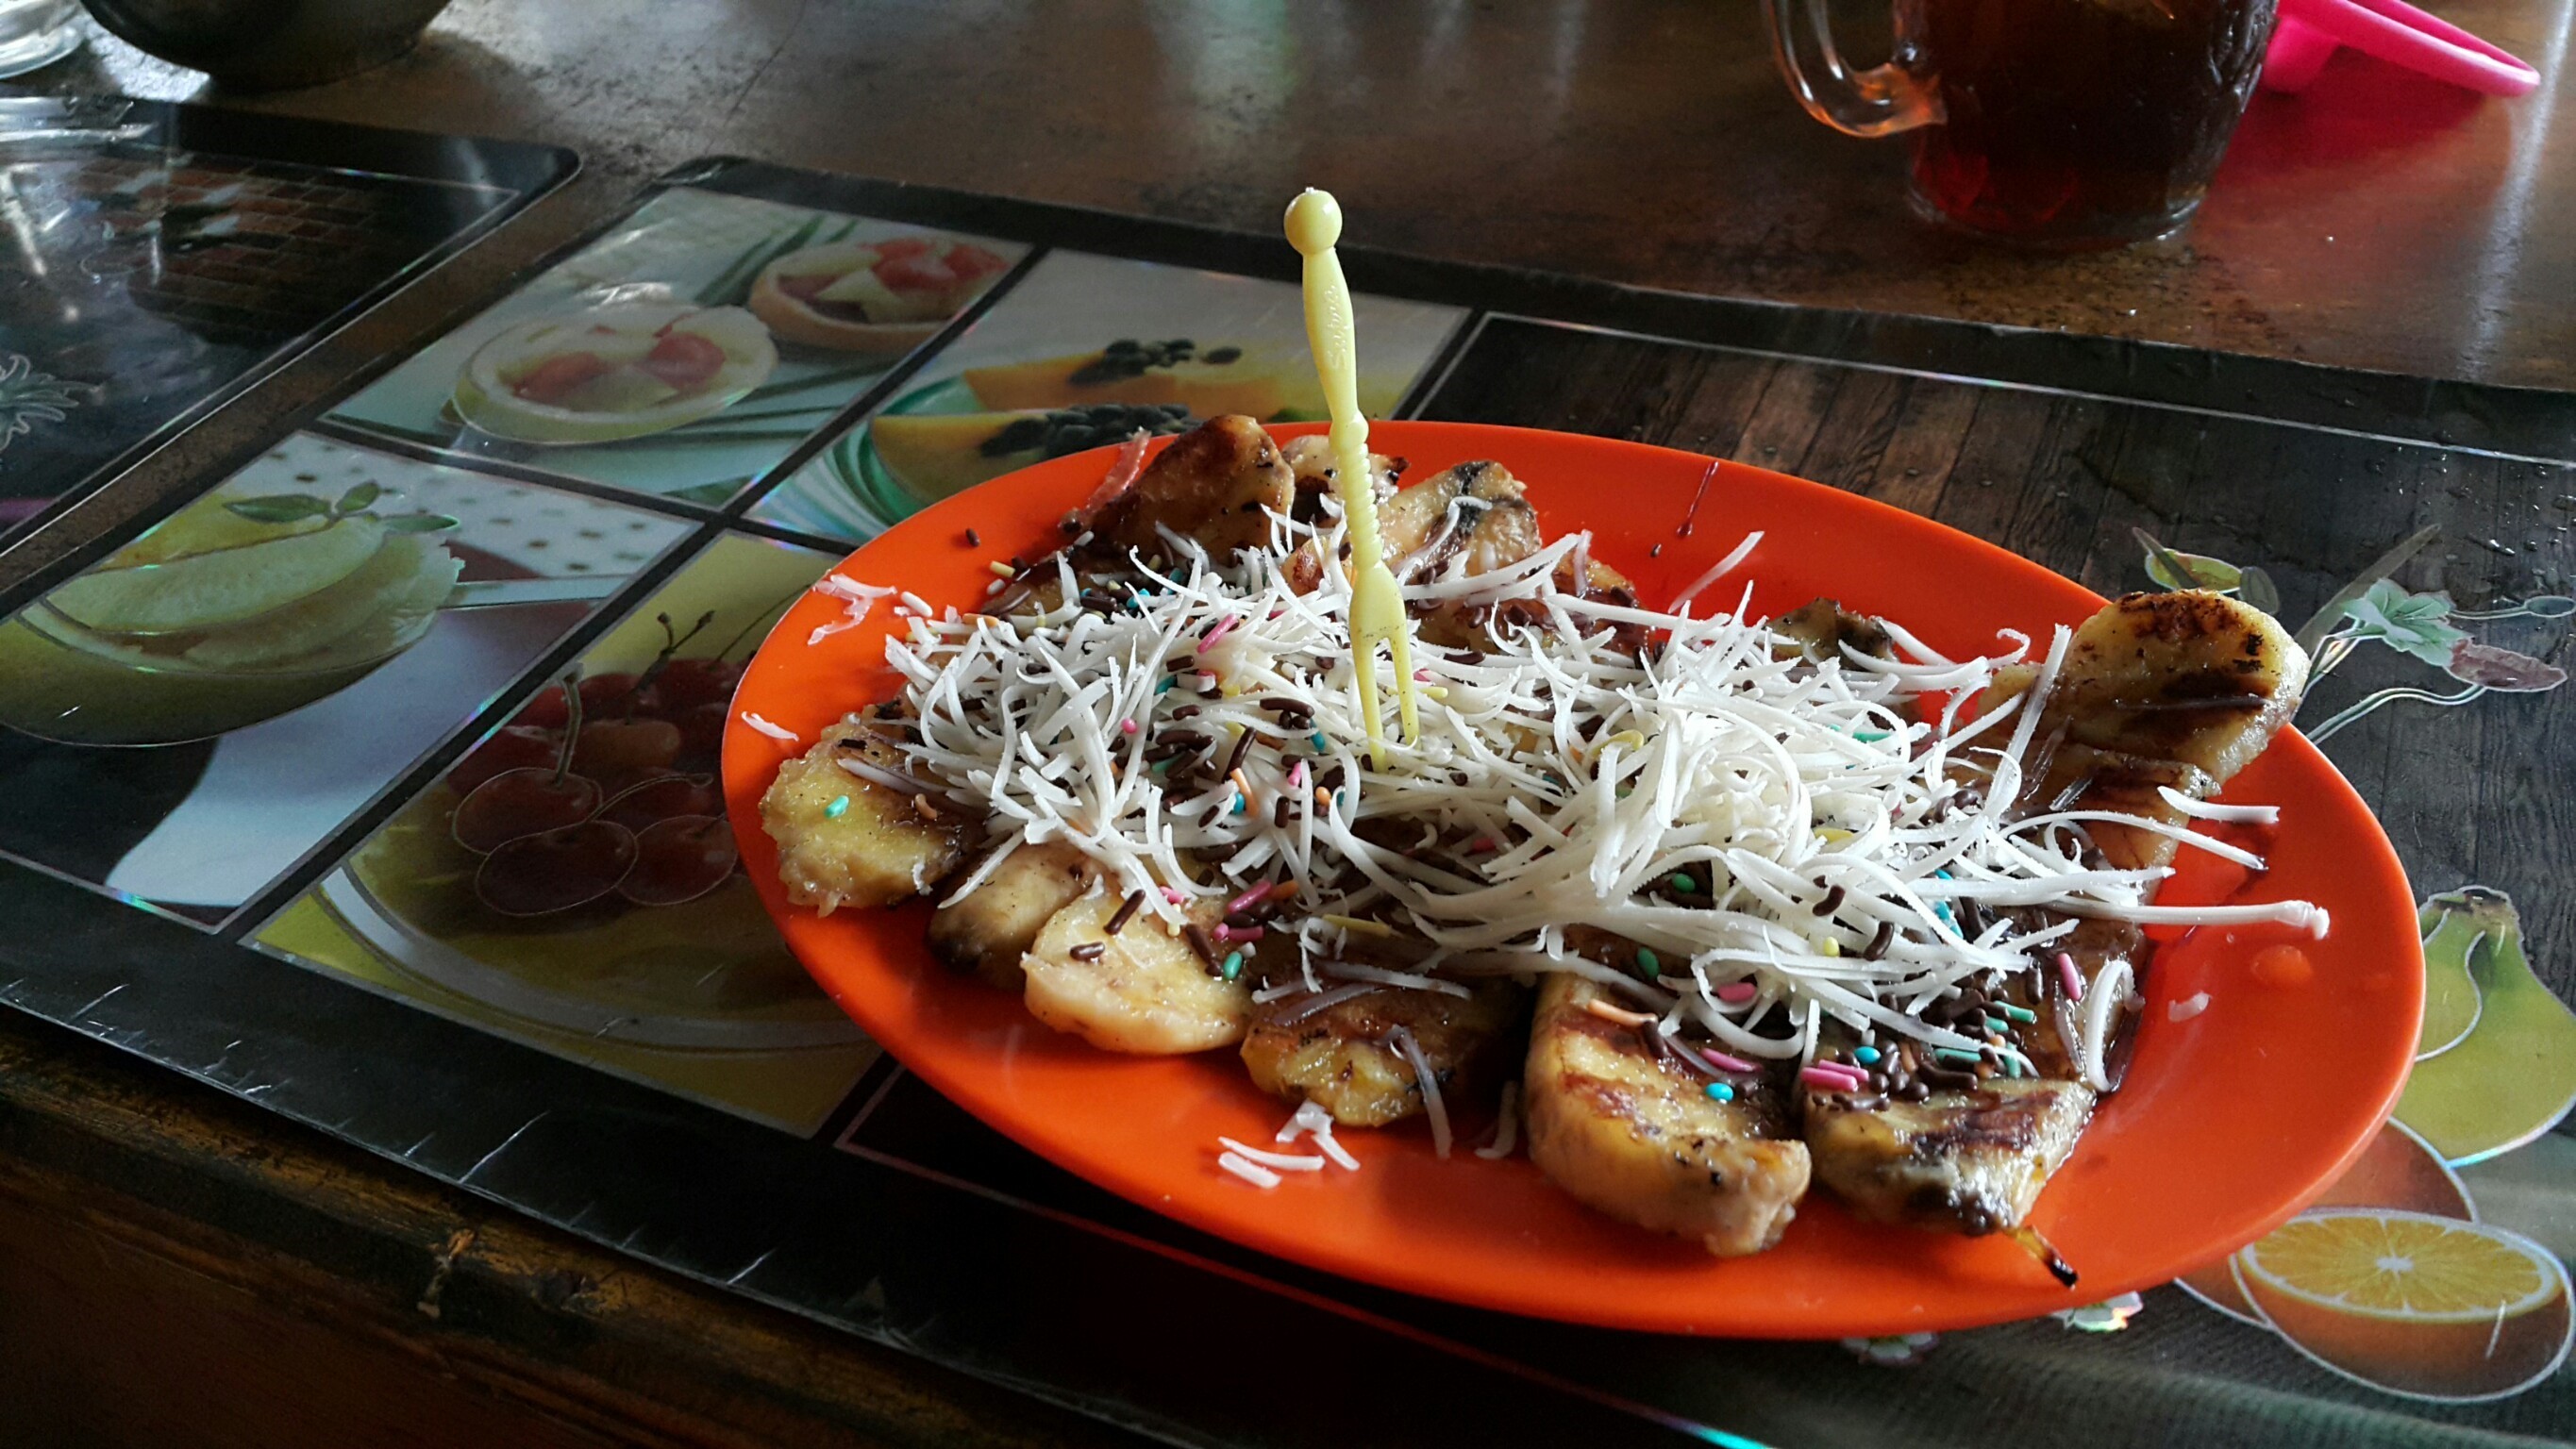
(1377, 610)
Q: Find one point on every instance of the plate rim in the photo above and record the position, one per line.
(760, 759)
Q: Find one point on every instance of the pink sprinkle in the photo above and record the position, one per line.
(1725, 1063)
(1247, 899)
(1223, 627)
(1176, 897)
(1221, 933)
(2067, 977)
(1480, 845)
(1245, 933)
(1736, 993)
(1126, 727)
(1297, 776)
(1422, 676)
(1840, 1079)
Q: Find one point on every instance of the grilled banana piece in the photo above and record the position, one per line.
(1966, 1162)
(1631, 1135)
(1212, 484)
(873, 851)
(997, 922)
(2173, 690)
(1143, 991)
(2192, 677)
(1473, 511)
(1340, 1058)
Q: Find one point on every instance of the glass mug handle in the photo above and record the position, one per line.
(1877, 102)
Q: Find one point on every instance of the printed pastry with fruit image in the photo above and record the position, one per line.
(882, 298)
(236, 609)
(626, 370)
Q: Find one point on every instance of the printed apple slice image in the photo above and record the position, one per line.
(615, 372)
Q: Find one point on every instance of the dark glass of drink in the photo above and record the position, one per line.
(2061, 123)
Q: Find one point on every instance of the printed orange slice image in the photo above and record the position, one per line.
(2397, 1170)
(2412, 1303)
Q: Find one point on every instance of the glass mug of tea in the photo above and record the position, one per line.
(2056, 123)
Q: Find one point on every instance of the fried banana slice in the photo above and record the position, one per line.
(1968, 1162)
(1143, 991)
(1474, 511)
(1633, 1136)
(2192, 677)
(1340, 1059)
(2085, 778)
(2178, 690)
(1216, 484)
(997, 923)
(1823, 628)
(873, 851)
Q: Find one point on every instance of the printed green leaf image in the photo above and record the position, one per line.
(358, 497)
(280, 507)
(2411, 623)
(2512, 1075)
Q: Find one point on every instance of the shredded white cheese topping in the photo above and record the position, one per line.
(1561, 781)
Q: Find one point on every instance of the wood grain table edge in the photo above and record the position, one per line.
(580, 1345)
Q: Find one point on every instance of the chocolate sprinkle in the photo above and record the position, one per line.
(1126, 911)
(1089, 951)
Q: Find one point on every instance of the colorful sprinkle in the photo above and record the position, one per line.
(1867, 1056)
(1869, 737)
(1175, 896)
(1720, 1092)
(2069, 977)
(2019, 1013)
(1683, 883)
(1355, 923)
(1955, 1055)
(1649, 963)
(1000, 569)
(1317, 740)
(1297, 776)
(1736, 993)
(1233, 966)
(1607, 1012)
(1726, 1063)
(839, 807)
(1832, 1078)
(1126, 727)
(1165, 687)
(1223, 627)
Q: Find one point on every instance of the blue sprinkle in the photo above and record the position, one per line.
(839, 807)
(1720, 1092)
(1233, 965)
(1869, 737)
(1166, 686)
(1867, 1056)
(1238, 802)
(1317, 740)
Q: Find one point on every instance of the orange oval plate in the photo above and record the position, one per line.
(2230, 1120)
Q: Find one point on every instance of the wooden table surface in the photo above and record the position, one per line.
(2375, 222)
